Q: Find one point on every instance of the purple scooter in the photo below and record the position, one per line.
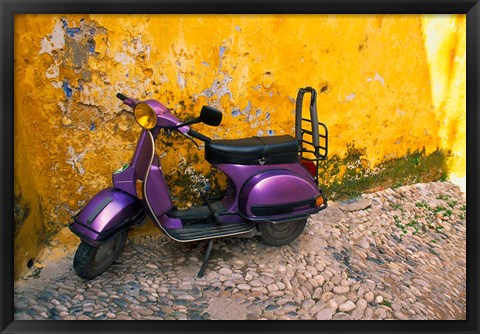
(272, 188)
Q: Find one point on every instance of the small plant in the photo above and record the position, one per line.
(35, 274)
(443, 197)
(433, 241)
(387, 303)
(452, 203)
(422, 205)
(412, 223)
(398, 207)
(400, 225)
(446, 212)
(463, 207)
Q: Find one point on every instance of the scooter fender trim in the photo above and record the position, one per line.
(107, 213)
(284, 219)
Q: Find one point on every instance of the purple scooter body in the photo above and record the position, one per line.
(256, 194)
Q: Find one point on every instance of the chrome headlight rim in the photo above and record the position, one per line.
(145, 116)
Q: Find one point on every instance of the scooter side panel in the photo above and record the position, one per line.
(241, 174)
(108, 212)
(277, 194)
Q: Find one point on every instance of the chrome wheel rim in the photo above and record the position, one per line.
(104, 252)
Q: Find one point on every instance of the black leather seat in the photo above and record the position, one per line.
(253, 150)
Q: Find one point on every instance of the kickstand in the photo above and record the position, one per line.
(205, 259)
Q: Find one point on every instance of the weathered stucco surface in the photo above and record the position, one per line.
(391, 89)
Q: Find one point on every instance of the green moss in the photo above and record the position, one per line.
(187, 184)
(359, 177)
(21, 210)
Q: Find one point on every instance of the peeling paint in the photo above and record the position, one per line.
(219, 88)
(54, 41)
(350, 97)
(75, 160)
(181, 81)
(67, 89)
(52, 72)
(222, 51)
(378, 78)
(124, 58)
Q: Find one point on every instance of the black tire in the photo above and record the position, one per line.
(279, 234)
(90, 261)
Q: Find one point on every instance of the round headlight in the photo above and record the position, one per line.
(145, 116)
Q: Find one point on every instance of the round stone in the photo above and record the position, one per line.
(341, 289)
(225, 271)
(244, 287)
(369, 296)
(325, 314)
(362, 303)
(347, 306)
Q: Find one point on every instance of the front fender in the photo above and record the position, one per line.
(108, 212)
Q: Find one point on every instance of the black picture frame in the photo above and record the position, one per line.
(9, 8)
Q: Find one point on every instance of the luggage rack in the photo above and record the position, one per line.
(315, 149)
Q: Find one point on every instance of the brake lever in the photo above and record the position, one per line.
(170, 130)
(193, 141)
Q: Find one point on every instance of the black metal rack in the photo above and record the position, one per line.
(317, 131)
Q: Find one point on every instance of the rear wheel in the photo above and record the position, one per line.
(91, 261)
(278, 234)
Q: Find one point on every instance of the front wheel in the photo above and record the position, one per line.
(279, 234)
(91, 261)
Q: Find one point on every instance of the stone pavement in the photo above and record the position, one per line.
(394, 254)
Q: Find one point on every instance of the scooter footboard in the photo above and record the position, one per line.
(107, 213)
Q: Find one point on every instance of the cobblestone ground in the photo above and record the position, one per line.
(394, 254)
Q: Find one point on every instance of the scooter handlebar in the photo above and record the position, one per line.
(199, 136)
(121, 96)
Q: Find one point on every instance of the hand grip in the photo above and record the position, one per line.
(121, 96)
(199, 136)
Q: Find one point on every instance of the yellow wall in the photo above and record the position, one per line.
(445, 45)
(379, 75)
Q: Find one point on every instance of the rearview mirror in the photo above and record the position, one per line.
(210, 116)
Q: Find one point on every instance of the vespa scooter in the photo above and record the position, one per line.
(272, 188)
